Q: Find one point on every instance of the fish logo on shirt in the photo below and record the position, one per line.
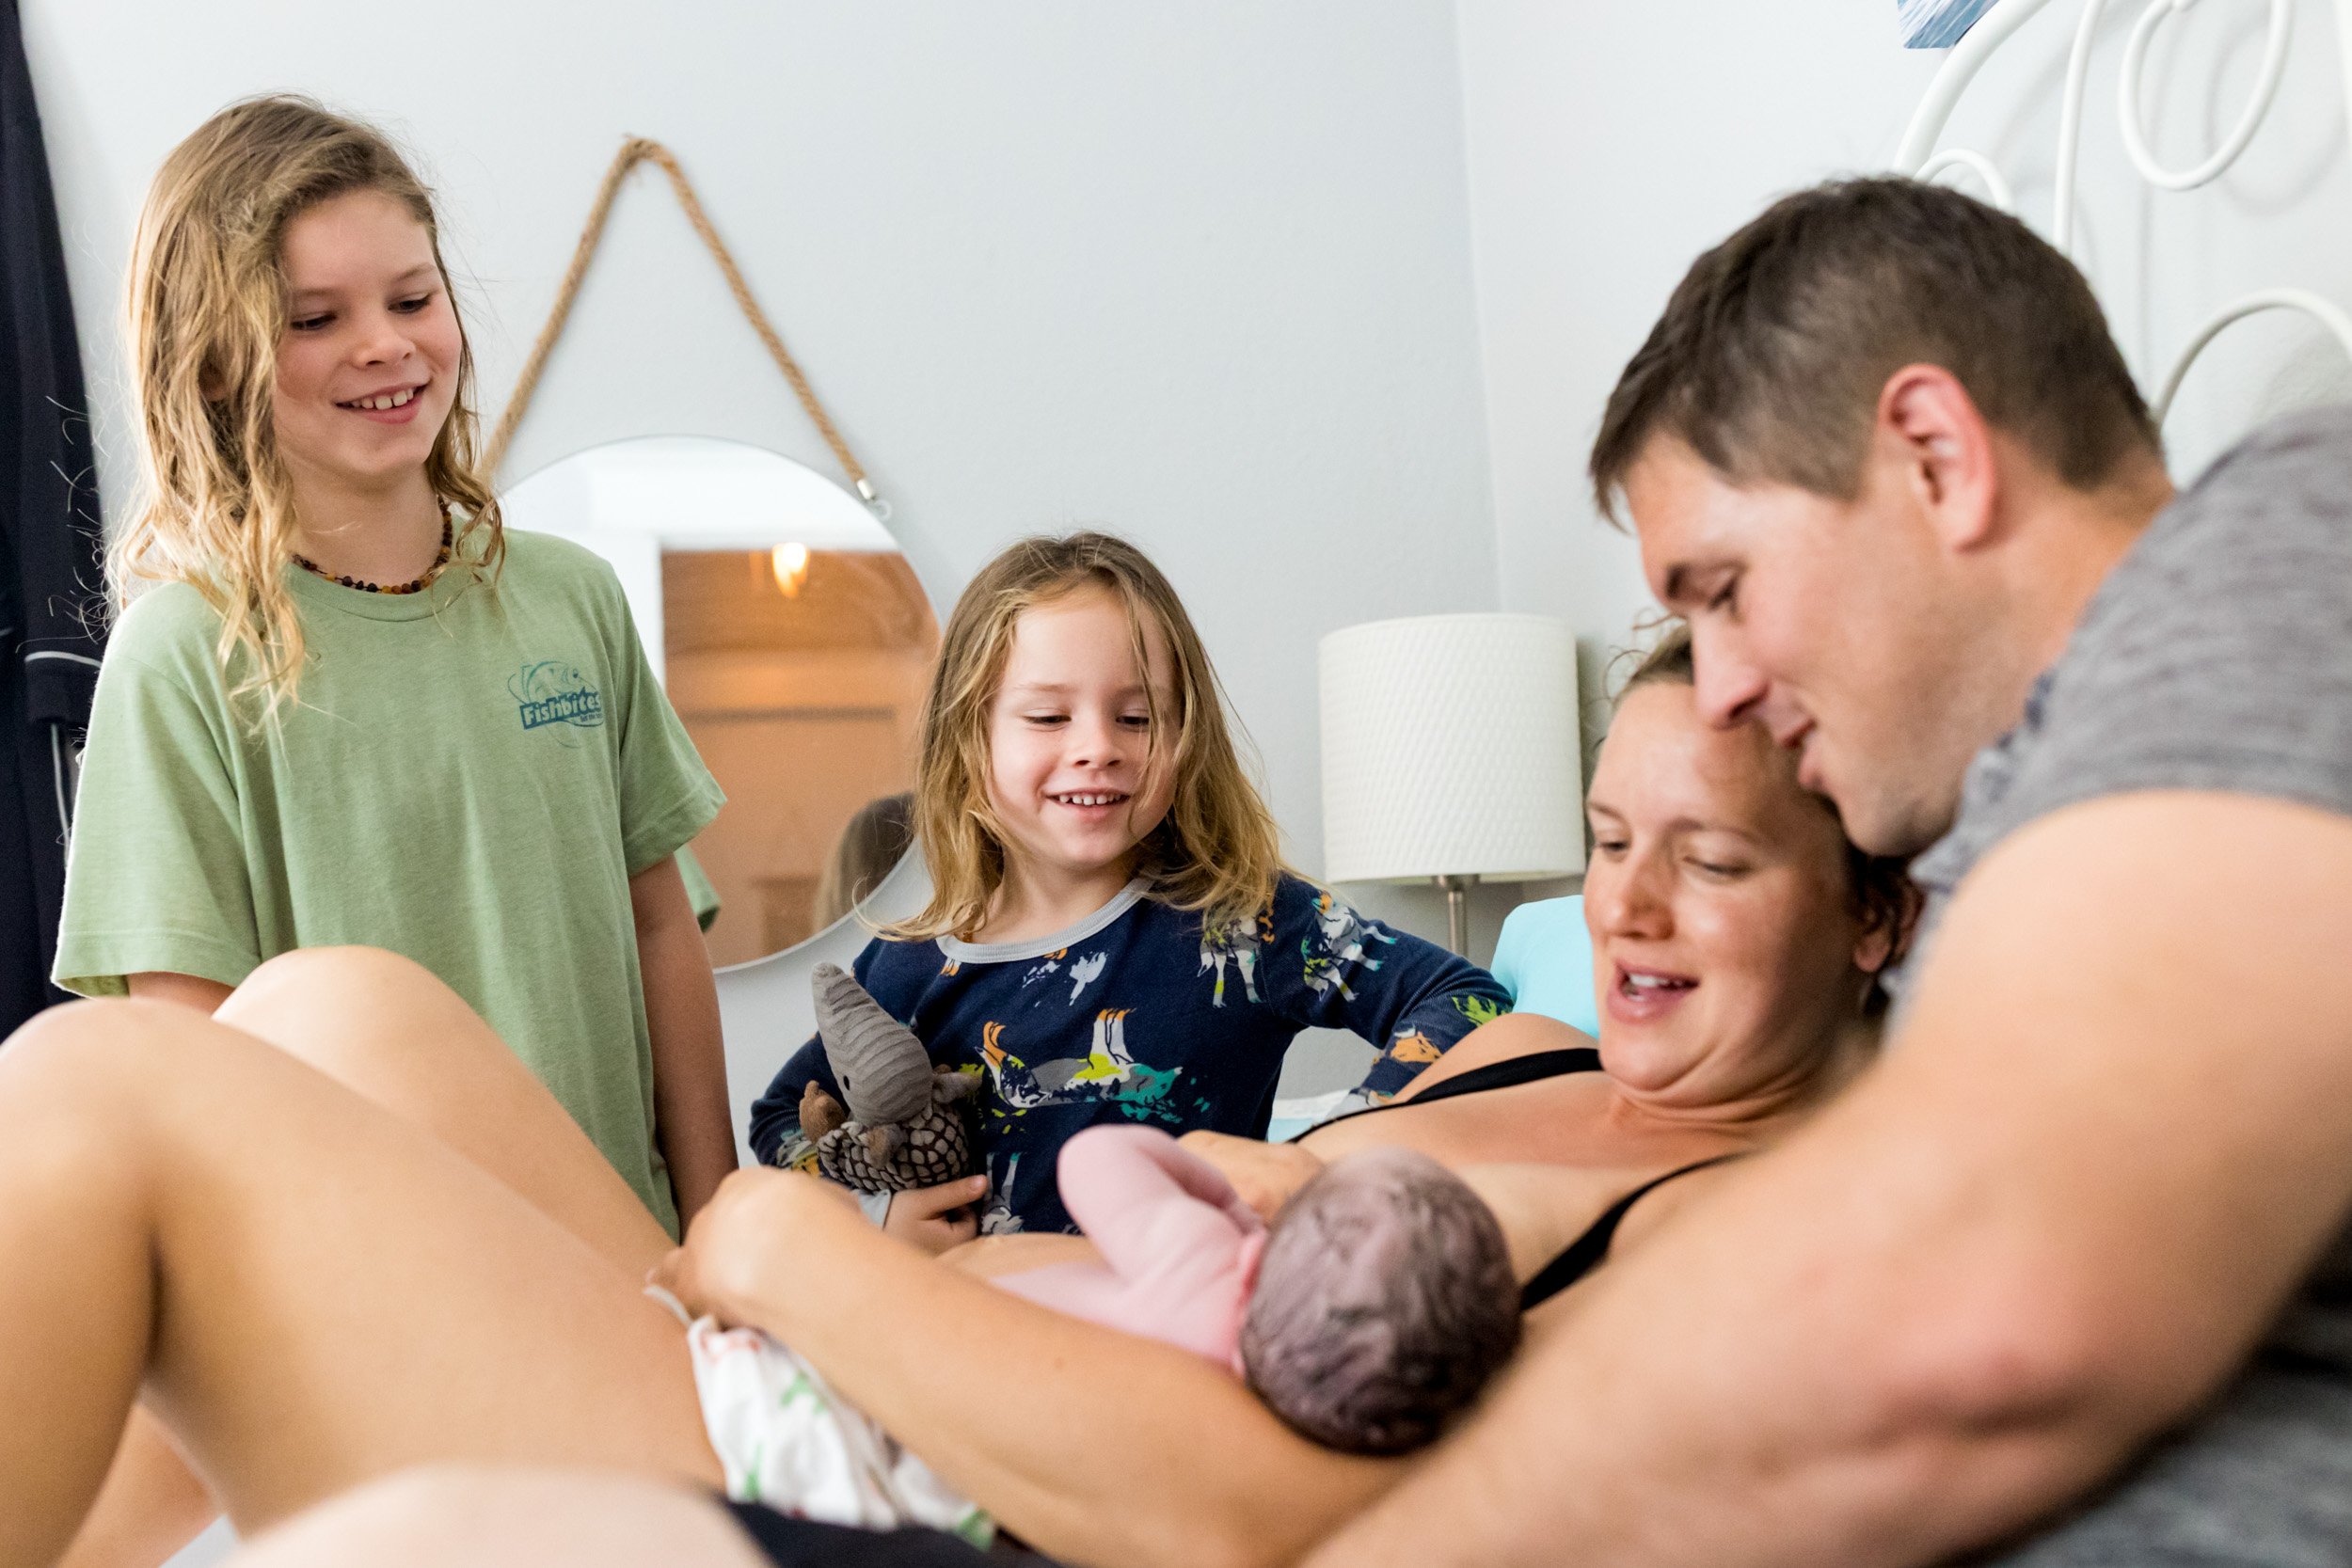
(551, 693)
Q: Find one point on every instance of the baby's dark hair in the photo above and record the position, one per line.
(1384, 1303)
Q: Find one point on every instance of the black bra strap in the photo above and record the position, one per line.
(1507, 1073)
(1583, 1254)
(1510, 1072)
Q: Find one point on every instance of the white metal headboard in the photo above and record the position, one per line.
(1918, 154)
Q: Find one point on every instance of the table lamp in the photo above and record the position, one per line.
(1450, 753)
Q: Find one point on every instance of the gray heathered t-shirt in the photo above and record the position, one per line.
(2218, 656)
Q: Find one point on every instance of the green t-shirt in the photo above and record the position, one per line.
(468, 776)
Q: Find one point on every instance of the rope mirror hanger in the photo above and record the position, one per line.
(635, 150)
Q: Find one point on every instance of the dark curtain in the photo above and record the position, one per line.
(51, 626)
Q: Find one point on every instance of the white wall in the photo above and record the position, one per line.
(1201, 272)
(1610, 143)
(1195, 272)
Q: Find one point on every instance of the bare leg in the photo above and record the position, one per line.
(315, 1292)
(151, 1505)
(497, 1518)
(387, 1028)
(486, 1517)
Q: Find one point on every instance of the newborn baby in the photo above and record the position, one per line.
(1377, 1304)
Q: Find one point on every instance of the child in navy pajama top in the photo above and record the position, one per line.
(1111, 936)
(1132, 1015)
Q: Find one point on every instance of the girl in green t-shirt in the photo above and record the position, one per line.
(350, 709)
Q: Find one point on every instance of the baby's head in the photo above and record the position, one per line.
(1384, 1302)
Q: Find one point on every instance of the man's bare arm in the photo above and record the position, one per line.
(2113, 1136)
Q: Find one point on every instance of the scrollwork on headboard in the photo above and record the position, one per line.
(1918, 154)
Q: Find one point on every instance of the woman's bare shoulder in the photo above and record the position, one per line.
(1513, 1035)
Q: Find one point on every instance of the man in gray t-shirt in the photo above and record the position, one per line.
(2063, 1281)
(2215, 659)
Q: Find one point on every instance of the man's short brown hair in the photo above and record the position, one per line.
(1770, 356)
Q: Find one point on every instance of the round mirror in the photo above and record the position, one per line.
(793, 640)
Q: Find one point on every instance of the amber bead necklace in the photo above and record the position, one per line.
(414, 585)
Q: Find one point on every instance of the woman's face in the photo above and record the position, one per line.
(1727, 951)
(367, 367)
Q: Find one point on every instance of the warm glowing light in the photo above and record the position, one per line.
(791, 564)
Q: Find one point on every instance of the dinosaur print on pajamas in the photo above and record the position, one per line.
(1148, 1012)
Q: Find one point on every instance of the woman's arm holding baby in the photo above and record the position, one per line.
(1093, 1445)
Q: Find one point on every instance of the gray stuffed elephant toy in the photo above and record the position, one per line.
(903, 1124)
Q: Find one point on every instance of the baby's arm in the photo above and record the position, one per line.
(1141, 1199)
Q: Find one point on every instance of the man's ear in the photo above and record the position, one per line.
(1929, 427)
(1886, 928)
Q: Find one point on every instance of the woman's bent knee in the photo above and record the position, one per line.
(134, 1067)
(379, 1023)
(92, 1043)
(329, 1007)
(81, 1090)
(332, 972)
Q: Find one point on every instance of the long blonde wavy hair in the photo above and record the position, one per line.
(207, 306)
(1217, 851)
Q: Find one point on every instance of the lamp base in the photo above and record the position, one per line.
(1457, 912)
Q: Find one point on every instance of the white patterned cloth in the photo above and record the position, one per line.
(788, 1442)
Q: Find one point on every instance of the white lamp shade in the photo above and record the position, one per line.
(1451, 749)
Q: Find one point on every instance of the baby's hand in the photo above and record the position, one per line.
(1265, 1174)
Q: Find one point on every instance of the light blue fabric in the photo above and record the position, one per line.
(1545, 959)
(1937, 23)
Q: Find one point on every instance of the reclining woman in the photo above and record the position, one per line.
(315, 1287)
